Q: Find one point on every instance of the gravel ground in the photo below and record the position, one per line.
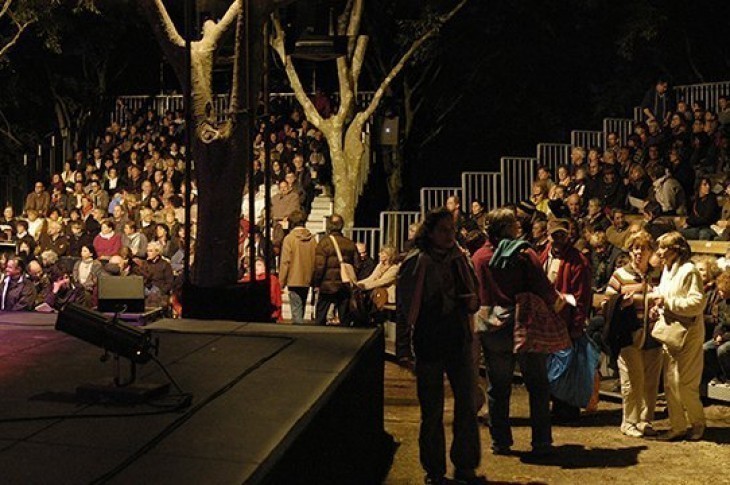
(591, 452)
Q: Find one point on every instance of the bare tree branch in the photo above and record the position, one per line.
(8, 130)
(277, 42)
(406, 57)
(358, 59)
(344, 19)
(353, 27)
(214, 31)
(14, 40)
(6, 7)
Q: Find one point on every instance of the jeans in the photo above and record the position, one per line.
(466, 447)
(341, 301)
(717, 360)
(500, 361)
(699, 233)
(298, 302)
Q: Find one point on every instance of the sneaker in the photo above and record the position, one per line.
(647, 430)
(695, 433)
(631, 430)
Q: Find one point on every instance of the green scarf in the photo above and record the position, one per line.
(506, 250)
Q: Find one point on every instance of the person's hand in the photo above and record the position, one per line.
(627, 299)
(57, 285)
(718, 340)
(659, 301)
(559, 303)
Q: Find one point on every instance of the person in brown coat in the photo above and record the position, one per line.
(284, 203)
(297, 264)
(327, 271)
(38, 200)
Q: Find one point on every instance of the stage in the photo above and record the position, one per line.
(272, 404)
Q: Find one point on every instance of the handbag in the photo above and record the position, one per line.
(671, 334)
(347, 271)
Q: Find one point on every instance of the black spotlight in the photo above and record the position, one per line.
(104, 332)
(117, 339)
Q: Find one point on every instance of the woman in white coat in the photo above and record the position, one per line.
(680, 299)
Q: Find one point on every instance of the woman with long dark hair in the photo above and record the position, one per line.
(703, 213)
(437, 291)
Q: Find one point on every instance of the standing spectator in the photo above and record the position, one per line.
(679, 299)
(39, 200)
(640, 355)
(332, 291)
(18, 292)
(505, 268)
(297, 264)
(570, 273)
(657, 104)
(437, 291)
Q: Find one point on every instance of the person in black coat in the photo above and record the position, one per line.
(703, 213)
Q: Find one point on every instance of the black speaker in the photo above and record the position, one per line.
(116, 292)
(389, 131)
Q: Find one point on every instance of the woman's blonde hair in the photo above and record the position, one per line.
(710, 264)
(642, 239)
(675, 240)
(390, 252)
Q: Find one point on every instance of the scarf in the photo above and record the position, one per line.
(506, 251)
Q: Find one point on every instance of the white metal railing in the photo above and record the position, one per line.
(482, 186)
(553, 155)
(370, 236)
(160, 104)
(708, 93)
(623, 126)
(433, 197)
(586, 138)
(394, 227)
(518, 173)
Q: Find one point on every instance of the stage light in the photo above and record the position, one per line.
(104, 332)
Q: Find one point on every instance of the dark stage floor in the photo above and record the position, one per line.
(257, 389)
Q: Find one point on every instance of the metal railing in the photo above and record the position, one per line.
(394, 227)
(553, 155)
(370, 236)
(433, 197)
(708, 93)
(586, 138)
(482, 186)
(518, 173)
(160, 104)
(623, 126)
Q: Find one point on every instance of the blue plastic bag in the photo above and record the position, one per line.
(571, 372)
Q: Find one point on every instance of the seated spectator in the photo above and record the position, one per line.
(717, 349)
(638, 187)
(539, 239)
(596, 217)
(7, 224)
(54, 240)
(284, 203)
(18, 293)
(667, 191)
(36, 224)
(575, 207)
(275, 287)
(158, 277)
(365, 264)
(87, 270)
(384, 274)
(478, 215)
(610, 190)
(23, 236)
(653, 223)
(618, 232)
(107, 243)
(603, 260)
(709, 270)
(168, 246)
(39, 200)
(544, 176)
(78, 238)
(539, 196)
(134, 240)
(62, 290)
(703, 214)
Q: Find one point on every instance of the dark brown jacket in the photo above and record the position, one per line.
(327, 266)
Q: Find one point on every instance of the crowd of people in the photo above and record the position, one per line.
(599, 251)
(614, 223)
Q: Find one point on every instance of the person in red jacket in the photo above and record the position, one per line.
(570, 273)
(107, 243)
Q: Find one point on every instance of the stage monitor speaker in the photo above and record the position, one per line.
(389, 131)
(116, 292)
